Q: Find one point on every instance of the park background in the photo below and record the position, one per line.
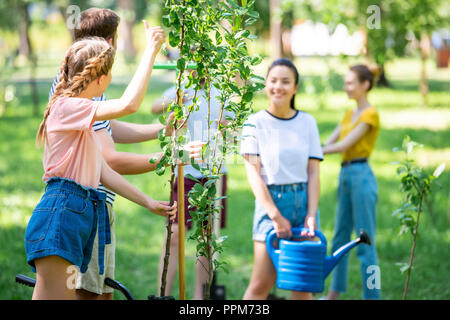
(413, 100)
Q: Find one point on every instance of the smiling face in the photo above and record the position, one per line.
(280, 85)
(354, 88)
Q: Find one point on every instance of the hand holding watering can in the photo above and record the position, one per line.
(282, 226)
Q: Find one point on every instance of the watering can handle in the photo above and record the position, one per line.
(273, 253)
(297, 231)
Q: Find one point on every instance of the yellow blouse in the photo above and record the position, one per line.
(364, 146)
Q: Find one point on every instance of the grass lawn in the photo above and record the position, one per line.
(140, 235)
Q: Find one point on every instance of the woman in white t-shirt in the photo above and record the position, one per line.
(282, 152)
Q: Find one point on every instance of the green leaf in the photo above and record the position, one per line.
(255, 61)
(161, 135)
(218, 38)
(212, 190)
(166, 21)
(162, 119)
(439, 170)
(153, 159)
(242, 34)
(174, 39)
(234, 88)
(253, 14)
(198, 188)
(250, 21)
(160, 169)
(247, 97)
(195, 165)
(181, 65)
(404, 266)
(209, 182)
(191, 177)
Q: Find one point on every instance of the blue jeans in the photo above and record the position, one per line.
(356, 210)
(64, 223)
(292, 202)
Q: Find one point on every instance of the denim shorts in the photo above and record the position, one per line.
(291, 200)
(64, 223)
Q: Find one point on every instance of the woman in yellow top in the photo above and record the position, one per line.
(355, 139)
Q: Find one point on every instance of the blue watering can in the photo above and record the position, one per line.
(304, 265)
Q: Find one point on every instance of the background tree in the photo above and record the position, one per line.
(422, 18)
(219, 51)
(15, 14)
(275, 29)
(416, 184)
(126, 10)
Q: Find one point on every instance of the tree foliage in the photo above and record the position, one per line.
(416, 184)
(213, 35)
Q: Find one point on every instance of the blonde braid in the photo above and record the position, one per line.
(71, 82)
(96, 67)
(59, 90)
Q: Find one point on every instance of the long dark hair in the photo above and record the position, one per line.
(287, 63)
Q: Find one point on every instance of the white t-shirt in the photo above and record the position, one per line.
(284, 145)
(197, 123)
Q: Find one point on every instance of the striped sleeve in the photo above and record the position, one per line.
(106, 124)
(99, 125)
(52, 89)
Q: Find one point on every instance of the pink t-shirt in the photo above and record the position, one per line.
(72, 150)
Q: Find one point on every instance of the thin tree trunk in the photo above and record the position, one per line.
(162, 291)
(424, 54)
(26, 50)
(126, 27)
(275, 29)
(209, 251)
(24, 25)
(62, 8)
(179, 98)
(382, 80)
(411, 258)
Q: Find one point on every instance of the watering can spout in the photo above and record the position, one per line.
(332, 260)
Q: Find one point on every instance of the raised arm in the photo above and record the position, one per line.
(262, 194)
(132, 98)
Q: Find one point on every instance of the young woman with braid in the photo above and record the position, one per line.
(63, 226)
(103, 23)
